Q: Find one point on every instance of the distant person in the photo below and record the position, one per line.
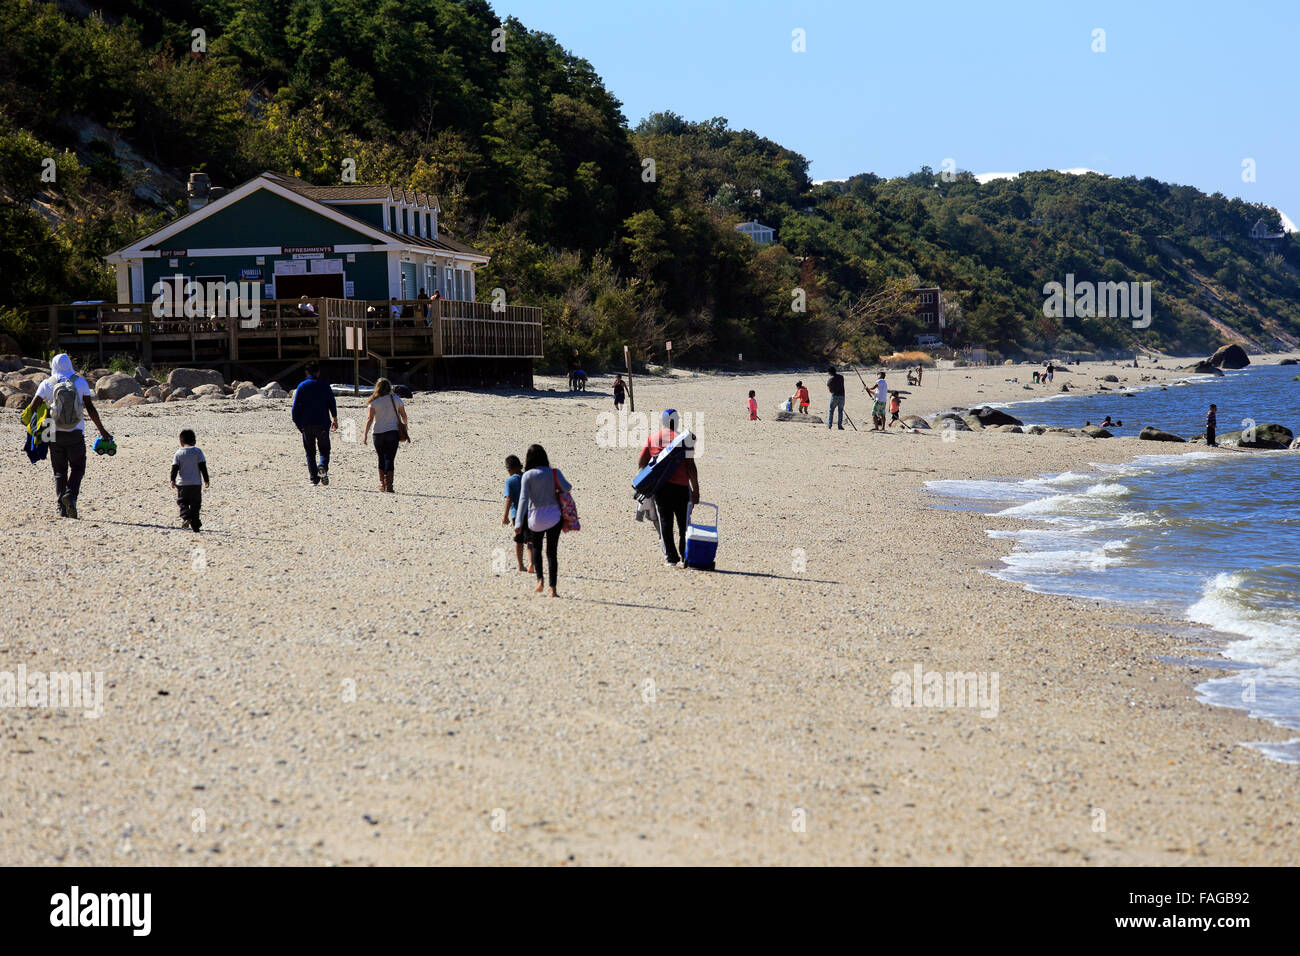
(878, 407)
(620, 392)
(539, 511)
(574, 365)
(678, 491)
(387, 415)
(753, 406)
(835, 385)
(67, 395)
(189, 478)
(305, 307)
(919, 370)
(1106, 422)
(801, 393)
(394, 309)
(514, 483)
(315, 413)
(1211, 422)
(430, 309)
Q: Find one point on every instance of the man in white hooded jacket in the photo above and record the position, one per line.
(65, 431)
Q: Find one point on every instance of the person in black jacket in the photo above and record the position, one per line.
(835, 385)
(315, 413)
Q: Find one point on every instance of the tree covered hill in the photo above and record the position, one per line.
(621, 234)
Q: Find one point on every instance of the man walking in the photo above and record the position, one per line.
(835, 385)
(68, 396)
(678, 489)
(1211, 423)
(315, 413)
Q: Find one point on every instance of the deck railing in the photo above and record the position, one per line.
(423, 328)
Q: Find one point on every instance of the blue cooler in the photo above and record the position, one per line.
(701, 539)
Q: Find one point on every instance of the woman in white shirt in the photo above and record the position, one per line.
(387, 413)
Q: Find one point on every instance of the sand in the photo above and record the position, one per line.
(335, 676)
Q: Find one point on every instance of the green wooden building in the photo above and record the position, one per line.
(349, 241)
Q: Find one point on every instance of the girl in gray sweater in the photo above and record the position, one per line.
(539, 510)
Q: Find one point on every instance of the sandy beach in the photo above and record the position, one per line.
(336, 676)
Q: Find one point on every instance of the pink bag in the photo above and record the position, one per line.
(568, 510)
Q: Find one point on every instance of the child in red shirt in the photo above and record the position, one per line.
(753, 406)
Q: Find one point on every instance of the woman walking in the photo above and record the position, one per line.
(388, 416)
(539, 510)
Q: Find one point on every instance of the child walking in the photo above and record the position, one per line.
(894, 404)
(189, 468)
(515, 469)
(620, 392)
(753, 406)
(801, 393)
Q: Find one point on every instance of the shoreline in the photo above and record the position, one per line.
(770, 680)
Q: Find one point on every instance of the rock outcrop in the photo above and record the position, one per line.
(1230, 356)
(1150, 433)
(194, 377)
(116, 385)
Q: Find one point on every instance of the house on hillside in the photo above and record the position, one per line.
(1262, 231)
(759, 233)
(928, 308)
(350, 241)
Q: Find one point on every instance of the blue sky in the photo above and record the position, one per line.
(1185, 91)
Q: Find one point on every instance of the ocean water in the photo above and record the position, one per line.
(1211, 537)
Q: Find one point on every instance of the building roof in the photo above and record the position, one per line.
(355, 191)
(318, 196)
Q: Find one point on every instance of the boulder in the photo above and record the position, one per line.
(1156, 434)
(1203, 368)
(93, 376)
(1265, 436)
(130, 401)
(950, 421)
(1009, 429)
(402, 391)
(116, 385)
(995, 416)
(1110, 378)
(211, 390)
(1229, 356)
(13, 363)
(973, 423)
(177, 392)
(155, 392)
(247, 391)
(1054, 430)
(915, 421)
(792, 417)
(194, 377)
(181, 395)
(1295, 445)
(1096, 431)
(142, 375)
(1283, 362)
(272, 387)
(275, 393)
(17, 401)
(26, 385)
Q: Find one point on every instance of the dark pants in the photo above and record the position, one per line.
(1209, 435)
(552, 536)
(68, 459)
(386, 448)
(189, 499)
(671, 502)
(316, 437)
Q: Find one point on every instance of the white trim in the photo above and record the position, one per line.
(137, 248)
(137, 281)
(394, 274)
(123, 282)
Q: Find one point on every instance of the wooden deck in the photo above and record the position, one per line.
(425, 330)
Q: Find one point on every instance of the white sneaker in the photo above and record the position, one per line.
(670, 564)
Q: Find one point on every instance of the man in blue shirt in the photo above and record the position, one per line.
(315, 413)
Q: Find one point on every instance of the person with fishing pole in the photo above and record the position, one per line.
(835, 385)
